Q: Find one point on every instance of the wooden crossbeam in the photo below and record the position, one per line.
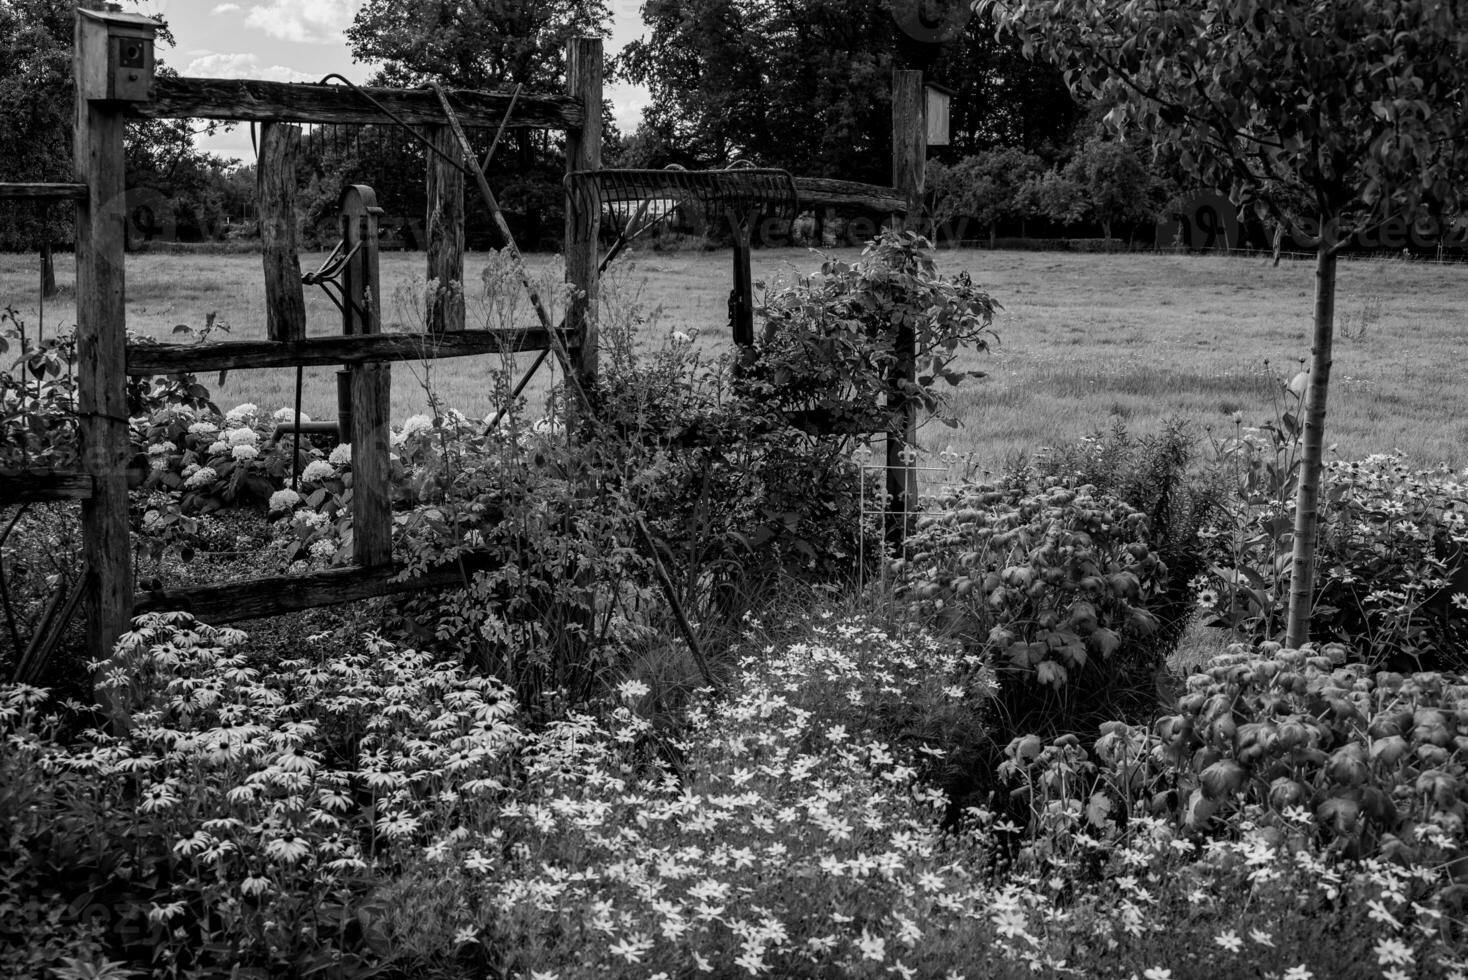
(44, 192)
(148, 359)
(247, 100)
(229, 602)
(35, 486)
(820, 192)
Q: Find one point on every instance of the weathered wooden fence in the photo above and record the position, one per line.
(115, 87)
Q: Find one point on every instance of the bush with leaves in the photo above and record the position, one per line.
(1161, 476)
(37, 398)
(1054, 587)
(1310, 750)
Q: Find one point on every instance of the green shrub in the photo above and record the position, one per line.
(1310, 750)
(1051, 587)
(1160, 476)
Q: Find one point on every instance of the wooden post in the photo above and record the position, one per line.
(909, 163)
(370, 384)
(445, 232)
(101, 352)
(285, 301)
(583, 152)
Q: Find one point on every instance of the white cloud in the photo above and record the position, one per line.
(225, 8)
(309, 21)
(220, 65)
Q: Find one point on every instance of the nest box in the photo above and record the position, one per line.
(936, 109)
(115, 50)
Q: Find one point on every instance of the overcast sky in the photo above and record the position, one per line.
(302, 40)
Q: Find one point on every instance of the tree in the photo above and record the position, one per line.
(1356, 105)
(36, 117)
(806, 84)
(487, 45)
(35, 120)
(1112, 184)
(989, 187)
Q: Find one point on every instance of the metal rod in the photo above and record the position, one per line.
(659, 570)
(296, 454)
(623, 239)
(400, 121)
(514, 97)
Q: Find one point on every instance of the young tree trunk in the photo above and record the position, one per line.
(48, 271)
(1307, 496)
(993, 234)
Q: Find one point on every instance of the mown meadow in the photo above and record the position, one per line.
(1083, 337)
(1053, 735)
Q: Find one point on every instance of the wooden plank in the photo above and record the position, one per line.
(248, 100)
(101, 339)
(147, 359)
(34, 486)
(445, 231)
(909, 164)
(285, 300)
(370, 383)
(230, 602)
(44, 192)
(583, 152)
(820, 192)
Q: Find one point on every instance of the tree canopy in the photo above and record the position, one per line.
(806, 84)
(483, 44)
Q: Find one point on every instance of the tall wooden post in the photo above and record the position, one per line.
(583, 152)
(445, 232)
(370, 384)
(285, 301)
(909, 165)
(101, 338)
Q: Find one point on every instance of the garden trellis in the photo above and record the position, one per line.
(114, 87)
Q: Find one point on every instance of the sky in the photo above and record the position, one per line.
(303, 40)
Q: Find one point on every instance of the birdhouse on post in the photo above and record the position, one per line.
(115, 52)
(936, 111)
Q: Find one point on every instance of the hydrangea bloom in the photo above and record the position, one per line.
(244, 452)
(414, 425)
(242, 437)
(341, 455)
(318, 469)
(284, 499)
(286, 414)
(161, 448)
(202, 477)
(203, 429)
(217, 446)
(241, 413)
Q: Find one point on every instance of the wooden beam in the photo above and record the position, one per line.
(820, 192)
(285, 300)
(583, 152)
(370, 383)
(230, 602)
(101, 344)
(44, 192)
(147, 359)
(247, 100)
(445, 231)
(26, 486)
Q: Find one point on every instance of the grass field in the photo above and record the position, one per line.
(1085, 338)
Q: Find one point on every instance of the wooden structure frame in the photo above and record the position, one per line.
(106, 360)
